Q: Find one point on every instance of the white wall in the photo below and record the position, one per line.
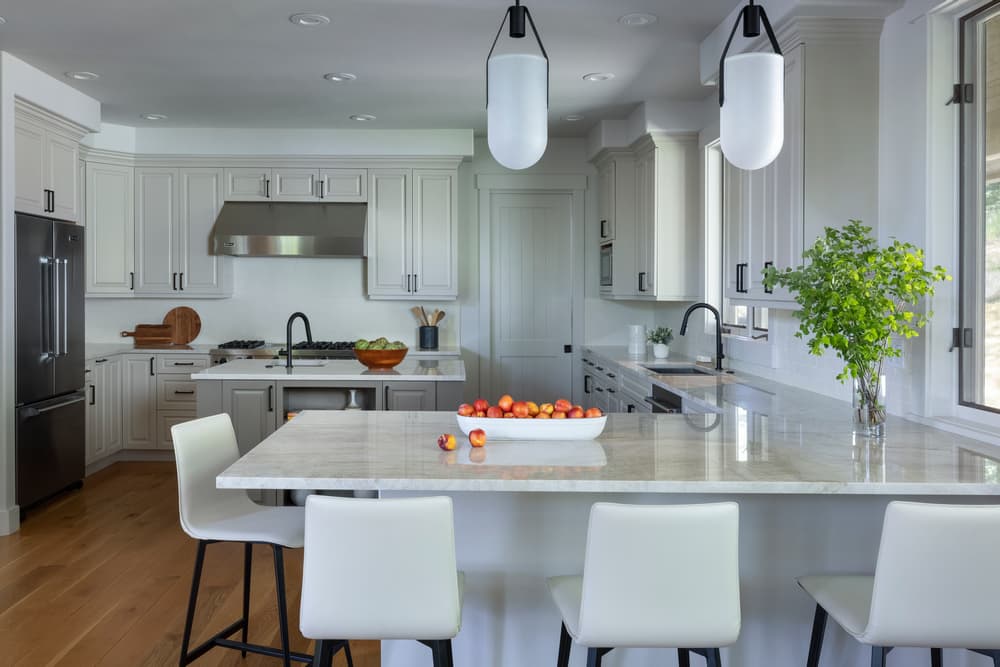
(18, 79)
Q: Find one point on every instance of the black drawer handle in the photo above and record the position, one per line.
(182, 363)
(611, 375)
(93, 395)
(183, 393)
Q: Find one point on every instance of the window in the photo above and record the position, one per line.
(979, 364)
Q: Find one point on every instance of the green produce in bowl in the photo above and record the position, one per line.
(383, 342)
(398, 345)
(362, 344)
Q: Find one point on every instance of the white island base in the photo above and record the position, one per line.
(508, 543)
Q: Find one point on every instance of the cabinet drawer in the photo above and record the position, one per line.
(164, 421)
(637, 385)
(175, 392)
(180, 363)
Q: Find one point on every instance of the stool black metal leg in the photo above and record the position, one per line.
(713, 657)
(319, 654)
(595, 655)
(878, 656)
(347, 654)
(565, 642)
(683, 657)
(199, 560)
(447, 653)
(247, 556)
(936, 659)
(816, 640)
(279, 584)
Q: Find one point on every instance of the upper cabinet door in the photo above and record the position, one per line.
(248, 184)
(200, 272)
(110, 229)
(155, 235)
(343, 185)
(61, 157)
(434, 234)
(29, 168)
(294, 184)
(606, 207)
(389, 243)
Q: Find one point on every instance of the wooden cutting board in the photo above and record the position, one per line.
(185, 322)
(147, 335)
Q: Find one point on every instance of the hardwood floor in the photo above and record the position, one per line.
(101, 576)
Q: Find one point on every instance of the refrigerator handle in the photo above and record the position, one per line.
(46, 267)
(65, 304)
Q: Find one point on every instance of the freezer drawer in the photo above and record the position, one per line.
(51, 446)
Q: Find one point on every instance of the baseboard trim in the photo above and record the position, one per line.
(129, 455)
(10, 520)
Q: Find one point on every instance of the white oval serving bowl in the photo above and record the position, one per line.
(534, 429)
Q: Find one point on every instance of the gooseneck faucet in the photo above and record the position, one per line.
(718, 330)
(288, 335)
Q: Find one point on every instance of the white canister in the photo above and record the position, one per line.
(636, 340)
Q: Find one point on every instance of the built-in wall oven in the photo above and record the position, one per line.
(607, 258)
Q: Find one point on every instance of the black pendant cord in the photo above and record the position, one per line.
(517, 35)
(751, 16)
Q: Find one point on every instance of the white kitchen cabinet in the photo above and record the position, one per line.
(110, 223)
(95, 445)
(616, 195)
(156, 230)
(294, 184)
(104, 408)
(343, 185)
(201, 273)
(248, 184)
(606, 193)
(139, 401)
(251, 406)
(668, 226)
(411, 396)
(412, 234)
(46, 178)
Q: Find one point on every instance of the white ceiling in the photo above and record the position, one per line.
(419, 63)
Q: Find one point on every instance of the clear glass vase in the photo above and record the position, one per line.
(869, 406)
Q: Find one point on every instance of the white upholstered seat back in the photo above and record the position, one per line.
(935, 583)
(379, 569)
(661, 576)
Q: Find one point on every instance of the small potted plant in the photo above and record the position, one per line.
(854, 298)
(660, 337)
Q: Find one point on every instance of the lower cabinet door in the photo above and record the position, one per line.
(164, 420)
(139, 401)
(410, 396)
(251, 406)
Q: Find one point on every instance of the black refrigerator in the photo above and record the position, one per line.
(50, 397)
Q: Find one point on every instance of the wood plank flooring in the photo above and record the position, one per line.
(101, 576)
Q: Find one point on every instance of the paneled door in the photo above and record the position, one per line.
(533, 282)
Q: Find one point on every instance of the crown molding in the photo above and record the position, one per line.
(90, 154)
(653, 140)
(39, 115)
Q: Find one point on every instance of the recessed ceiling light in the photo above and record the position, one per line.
(598, 76)
(2, 20)
(309, 20)
(339, 77)
(573, 117)
(637, 19)
(363, 117)
(154, 116)
(83, 76)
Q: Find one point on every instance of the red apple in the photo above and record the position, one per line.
(562, 405)
(520, 410)
(477, 437)
(481, 405)
(446, 441)
(466, 410)
(559, 414)
(593, 412)
(480, 413)
(505, 402)
(494, 412)
(575, 413)
(543, 415)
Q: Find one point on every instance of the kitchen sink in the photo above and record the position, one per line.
(678, 370)
(301, 363)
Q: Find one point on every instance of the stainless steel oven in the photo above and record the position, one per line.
(607, 254)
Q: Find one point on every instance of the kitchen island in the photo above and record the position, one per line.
(811, 499)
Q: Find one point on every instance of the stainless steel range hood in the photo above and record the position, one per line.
(267, 229)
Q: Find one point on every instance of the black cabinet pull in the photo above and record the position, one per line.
(183, 393)
(321, 189)
(173, 281)
(630, 408)
(182, 363)
(604, 229)
(267, 188)
(151, 360)
(181, 281)
(600, 368)
(586, 384)
(768, 290)
(611, 375)
(741, 278)
(131, 280)
(100, 361)
(414, 283)
(52, 201)
(642, 281)
(270, 398)
(600, 389)
(93, 395)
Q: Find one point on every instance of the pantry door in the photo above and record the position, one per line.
(534, 261)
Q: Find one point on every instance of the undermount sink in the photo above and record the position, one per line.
(678, 370)
(297, 363)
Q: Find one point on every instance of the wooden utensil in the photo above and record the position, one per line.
(439, 318)
(185, 322)
(423, 312)
(418, 312)
(147, 335)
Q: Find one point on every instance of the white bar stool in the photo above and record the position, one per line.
(933, 585)
(203, 448)
(380, 569)
(654, 576)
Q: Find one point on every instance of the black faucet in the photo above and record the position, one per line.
(288, 335)
(718, 330)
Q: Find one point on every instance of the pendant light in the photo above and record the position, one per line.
(752, 97)
(517, 97)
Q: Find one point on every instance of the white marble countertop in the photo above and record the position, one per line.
(410, 369)
(94, 350)
(736, 451)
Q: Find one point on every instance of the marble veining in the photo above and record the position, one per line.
(434, 370)
(803, 445)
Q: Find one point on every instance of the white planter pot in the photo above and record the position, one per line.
(661, 351)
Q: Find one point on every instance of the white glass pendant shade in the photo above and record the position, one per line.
(517, 118)
(752, 126)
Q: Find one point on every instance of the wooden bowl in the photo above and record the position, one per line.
(380, 360)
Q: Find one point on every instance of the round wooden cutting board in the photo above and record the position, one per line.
(185, 322)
